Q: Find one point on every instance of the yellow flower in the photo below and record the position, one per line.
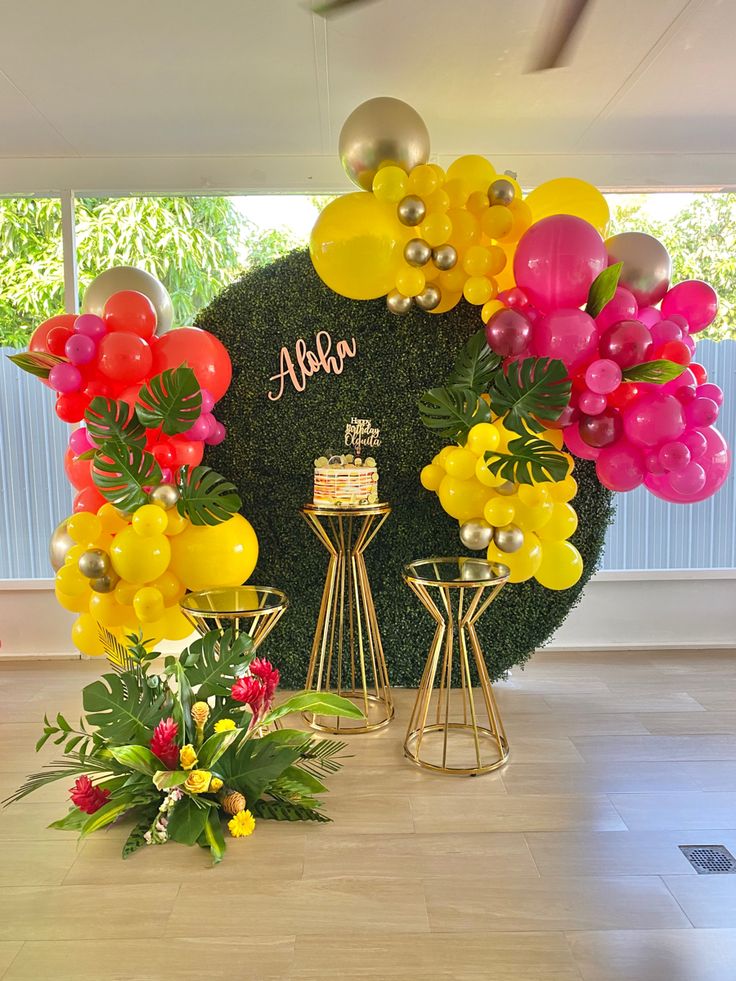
(242, 825)
(200, 713)
(215, 784)
(188, 756)
(198, 781)
(224, 725)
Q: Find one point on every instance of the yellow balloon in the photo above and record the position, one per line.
(476, 171)
(484, 475)
(70, 580)
(477, 203)
(170, 588)
(410, 281)
(524, 563)
(356, 246)
(499, 511)
(150, 519)
(423, 180)
(389, 184)
(84, 527)
(570, 196)
(75, 604)
(505, 279)
(125, 591)
(453, 280)
(450, 299)
(462, 499)
(493, 306)
(431, 477)
(436, 228)
(553, 436)
(148, 604)
(564, 490)
(522, 219)
(176, 625)
(85, 635)
(111, 519)
(176, 523)
(561, 566)
(438, 201)
(106, 610)
(477, 261)
(478, 290)
(460, 463)
(465, 228)
(139, 559)
(531, 519)
(482, 437)
(208, 556)
(444, 453)
(497, 260)
(458, 193)
(562, 524)
(533, 494)
(497, 221)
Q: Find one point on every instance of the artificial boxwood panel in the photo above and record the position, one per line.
(271, 447)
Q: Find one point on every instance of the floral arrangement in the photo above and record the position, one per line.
(189, 747)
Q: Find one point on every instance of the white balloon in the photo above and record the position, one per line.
(120, 278)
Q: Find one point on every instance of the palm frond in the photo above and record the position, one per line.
(115, 651)
(283, 810)
(62, 770)
(321, 756)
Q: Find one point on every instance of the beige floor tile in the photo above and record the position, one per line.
(616, 776)
(36, 863)
(552, 903)
(720, 699)
(560, 724)
(8, 952)
(586, 703)
(402, 778)
(236, 958)
(677, 810)
(707, 900)
(690, 723)
(368, 814)
(409, 856)
(29, 820)
(514, 813)
(656, 955)
(642, 748)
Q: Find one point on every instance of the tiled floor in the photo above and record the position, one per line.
(562, 867)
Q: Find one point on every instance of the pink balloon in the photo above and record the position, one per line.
(664, 331)
(695, 442)
(674, 456)
(591, 403)
(570, 335)
(701, 412)
(649, 316)
(603, 376)
(208, 403)
(715, 461)
(65, 378)
(217, 435)
(513, 298)
(80, 349)
(602, 430)
(557, 260)
(202, 428)
(695, 300)
(79, 441)
(620, 467)
(711, 391)
(652, 463)
(578, 446)
(623, 306)
(626, 342)
(567, 417)
(167, 475)
(654, 418)
(90, 325)
(688, 481)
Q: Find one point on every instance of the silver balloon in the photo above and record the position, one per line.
(398, 303)
(59, 544)
(506, 488)
(166, 496)
(105, 584)
(429, 298)
(501, 192)
(647, 267)
(509, 538)
(476, 535)
(94, 563)
(411, 210)
(382, 131)
(417, 252)
(444, 257)
(120, 278)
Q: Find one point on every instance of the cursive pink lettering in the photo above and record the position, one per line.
(305, 363)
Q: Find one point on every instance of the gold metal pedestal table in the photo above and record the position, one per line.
(347, 654)
(455, 726)
(254, 610)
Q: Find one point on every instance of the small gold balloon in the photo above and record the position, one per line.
(398, 303)
(59, 544)
(444, 257)
(165, 496)
(501, 192)
(476, 535)
(411, 210)
(429, 298)
(506, 488)
(417, 252)
(509, 538)
(105, 584)
(94, 563)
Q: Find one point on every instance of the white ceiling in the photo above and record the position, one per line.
(251, 94)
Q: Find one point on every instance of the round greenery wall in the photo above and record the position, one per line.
(271, 447)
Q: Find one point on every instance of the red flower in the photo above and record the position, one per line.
(163, 743)
(250, 691)
(268, 674)
(86, 796)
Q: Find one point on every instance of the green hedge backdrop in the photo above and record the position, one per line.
(271, 447)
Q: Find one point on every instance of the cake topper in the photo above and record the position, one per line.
(360, 433)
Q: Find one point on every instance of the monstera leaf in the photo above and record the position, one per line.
(210, 662)
(123, 707)
(109, 421)
(36, 363)
(534, 389)
(171, 401)
(529, 459)
(250, 766)
(122, 472)
(206, 498)
(476, 365)
(452, 412)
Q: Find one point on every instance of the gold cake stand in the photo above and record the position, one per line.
(347, 653)
(254, 610)
(456, 729)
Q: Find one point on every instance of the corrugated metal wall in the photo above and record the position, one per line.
(647, 533)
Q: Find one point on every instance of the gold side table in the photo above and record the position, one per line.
(456, 729)
(347, 655)
(254, 610)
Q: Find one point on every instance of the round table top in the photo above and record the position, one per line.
(359, 511)
(460, 571)
(244, 601)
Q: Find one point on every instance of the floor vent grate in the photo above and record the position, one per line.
(709, 859)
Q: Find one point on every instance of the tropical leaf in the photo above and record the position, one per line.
(116, 652)
(212, 836)
(136, 839)
(187, 819)
(36, 363)
(307, 782)
(109, 422)
(533, 389)
(316, 755)
(137, 758)
(212, 749)
(318, 703)
(602, 289)
(252, 765)
(282, 810)
(655, 372)
(73, 820)
(171, 401)
(123, 707)
(168, 779)
(214, 661)
(529, 459)
(122, 472)
(476, 365)
(206, 498)
(107, 814)
(452, 412)
(182, 708)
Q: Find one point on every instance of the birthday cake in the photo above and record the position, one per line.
(345, 481)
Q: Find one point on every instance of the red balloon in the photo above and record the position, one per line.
(124, 357)
(56, 341)
(675, 351)
(187, 451)
(131, 312)
(71, 407)
(102, 386)
(701, 375)
(88, 499)
(164, 454)
(38, 337)
(202, 351)
(79, 472)
(620, 397)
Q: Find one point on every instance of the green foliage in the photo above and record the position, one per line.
(212, 663)
(122, 471)
(110, 422)
(135, 839)
(123, 707)
(656, 372)
(252, 765)
(528, 459)
(452, 412)
(282, 810)
(476, 365)
(603, 288)
(206, 497)
(212, 836)
(318, 702)
(531, 390)
(171, 401)
(188, 819)
(36, 363)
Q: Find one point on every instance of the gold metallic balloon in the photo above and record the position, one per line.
(417, 252)
(506, 488)
(444, 257)
(120, 278)
(509, 538)
(398, 303)
(59, 544)
(429, 298)
(166, 496)
(94, 563)
(106, 583)
(476, 535)
(379, 132)
(647, 267)
(501, 192)
(411, 210)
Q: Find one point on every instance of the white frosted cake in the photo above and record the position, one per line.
(345, 481)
